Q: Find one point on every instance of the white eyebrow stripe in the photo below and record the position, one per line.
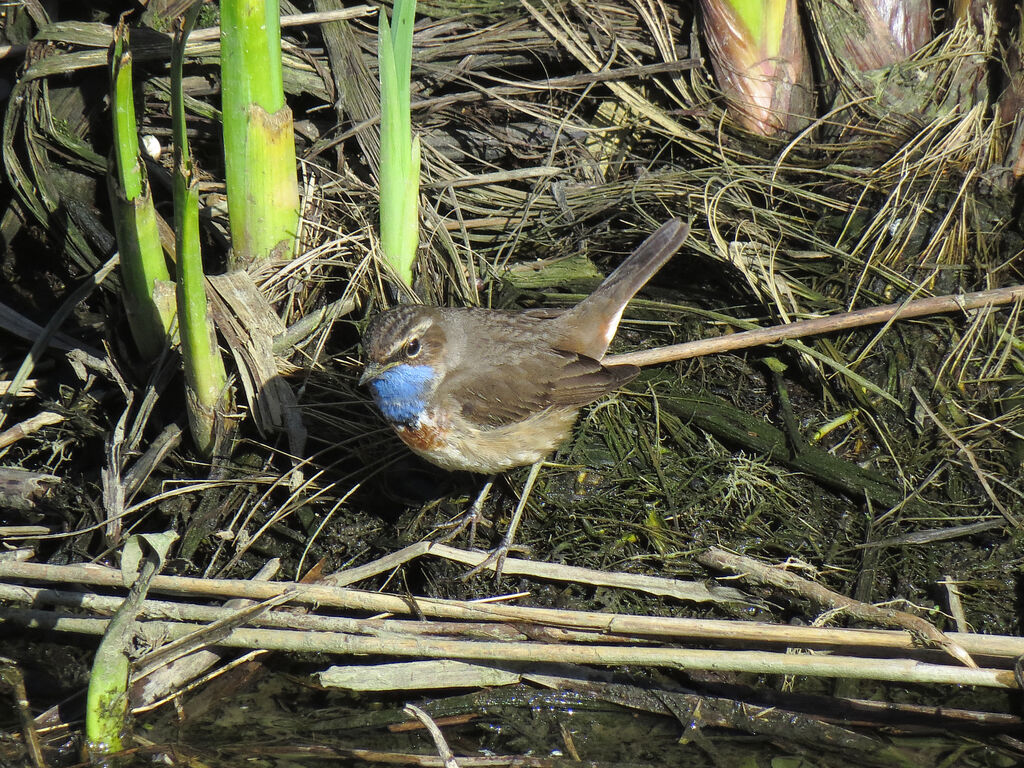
(416, 331)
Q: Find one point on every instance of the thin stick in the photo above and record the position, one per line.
(692, 591)
(936, 305)
(32, 424)
(10, 675)
(759, 662)
(676, 628)
(775, 576)
(443, 750)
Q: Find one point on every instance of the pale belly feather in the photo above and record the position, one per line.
(464, 446)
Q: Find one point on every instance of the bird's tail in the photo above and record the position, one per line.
(592, 323)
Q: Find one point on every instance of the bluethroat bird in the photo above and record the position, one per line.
(486, 390)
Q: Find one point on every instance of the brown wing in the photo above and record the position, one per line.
(511, 390)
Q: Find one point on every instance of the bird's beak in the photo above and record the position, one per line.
(372, 371)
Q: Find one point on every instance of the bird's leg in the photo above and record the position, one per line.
(497, 555)
(471, 517)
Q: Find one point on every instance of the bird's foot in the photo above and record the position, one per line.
(495, 559)
(471, 518)
(497, 556)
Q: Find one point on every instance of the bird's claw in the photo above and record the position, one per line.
(471, 518)
(496, 559)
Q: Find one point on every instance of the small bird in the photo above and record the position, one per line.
(486, 390)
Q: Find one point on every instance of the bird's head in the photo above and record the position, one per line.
(404, 360)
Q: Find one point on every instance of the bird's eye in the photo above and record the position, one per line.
(412, 347)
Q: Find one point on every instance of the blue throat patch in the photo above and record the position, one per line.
(399, 392)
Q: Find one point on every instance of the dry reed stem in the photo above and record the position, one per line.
(777, 576)
(822, 325)
(678, 629)
(760, 662)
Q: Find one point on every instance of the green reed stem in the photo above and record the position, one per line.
(399, 175)
(259, 139)
(148, 299)
(207, 394)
